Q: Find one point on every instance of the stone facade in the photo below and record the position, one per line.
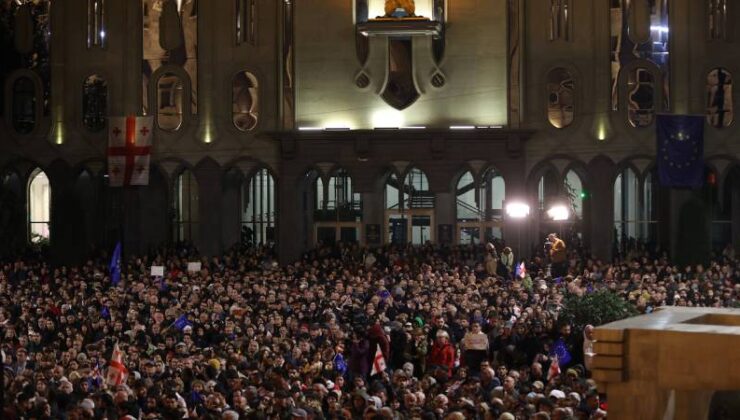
(487, 64)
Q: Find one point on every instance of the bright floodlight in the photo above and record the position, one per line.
(558, 212)
(517, 210)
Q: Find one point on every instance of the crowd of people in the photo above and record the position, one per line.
(425, 332)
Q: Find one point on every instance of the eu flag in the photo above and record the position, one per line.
(115, 265)
(680, 150)
(561, 350)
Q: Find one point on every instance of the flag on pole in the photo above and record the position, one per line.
(680, 150)
(554, 368)
(378, 362)
(115, 265)
(521, 270)
(117, 372)
(129, 150)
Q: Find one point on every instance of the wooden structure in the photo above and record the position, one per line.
(668, 364)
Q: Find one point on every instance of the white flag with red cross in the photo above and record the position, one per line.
(378, 362)
(129, 150)
(117, 372)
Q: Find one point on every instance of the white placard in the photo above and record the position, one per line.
(194, 267)
(157, 271)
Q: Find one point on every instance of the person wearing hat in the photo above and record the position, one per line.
(442, 353)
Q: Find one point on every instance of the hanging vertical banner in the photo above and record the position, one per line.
(129, 150)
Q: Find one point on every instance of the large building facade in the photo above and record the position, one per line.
(302, 121)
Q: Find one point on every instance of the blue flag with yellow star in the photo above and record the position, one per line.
(680, 150)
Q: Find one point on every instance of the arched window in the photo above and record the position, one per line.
(719, 98)
(480, 207)
(259, 213)
(411, 200)
(338, 214)
(560, 97)
(641, 97)
(39, 207)
(186, 207)
(24, 105)
(170, 102)
(245, 100)
(94, 103)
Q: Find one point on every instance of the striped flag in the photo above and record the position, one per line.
(117, 372)
(378, 362)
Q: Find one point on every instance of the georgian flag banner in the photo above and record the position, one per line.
(129, 150)
(117, 372)
(378, 362)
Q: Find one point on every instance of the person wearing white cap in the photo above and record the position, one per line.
(557, 394)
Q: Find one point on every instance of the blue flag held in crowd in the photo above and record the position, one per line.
(182, 322)
(680, 150)
(559, 349)
(115, 265)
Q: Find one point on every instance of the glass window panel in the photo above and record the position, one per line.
(94, 103)
(717, 19)
(559, 20)
(174, 43)
(641, 97)
(245, 99)
(392, 192)
(626, 48)
(24, 105)
(719, 98)
(258, 209)
(417, 186)
(96, 30)
(39, 207)
(169, 102)
(468, 208)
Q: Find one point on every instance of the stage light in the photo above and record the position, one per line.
(517, 210)
(558, 212)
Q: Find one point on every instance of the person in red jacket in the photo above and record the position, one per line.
(442, 353)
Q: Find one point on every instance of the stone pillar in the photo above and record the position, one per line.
(444, 213)
(373, 213)
(600, 200)
(208, 175)
(291, 235)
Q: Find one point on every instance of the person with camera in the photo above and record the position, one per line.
(557, 251)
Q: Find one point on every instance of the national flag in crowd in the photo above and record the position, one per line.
(129, 150)
(182, 321)
(378, 362)
(554, 369)
(680, 150)
(96, 379)
(117, 372)
(521, 270)
(115, 265)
